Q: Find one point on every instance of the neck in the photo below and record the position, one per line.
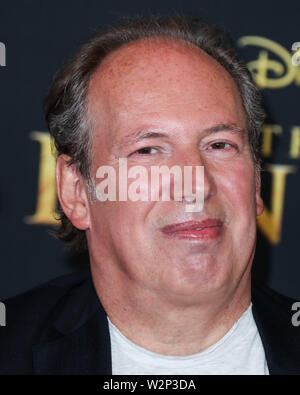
(171, 329)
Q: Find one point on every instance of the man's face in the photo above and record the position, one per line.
(164, 104)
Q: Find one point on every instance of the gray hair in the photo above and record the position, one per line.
(66, 102)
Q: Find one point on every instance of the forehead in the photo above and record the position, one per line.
(153, 78)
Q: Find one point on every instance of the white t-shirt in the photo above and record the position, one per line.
(240, 351)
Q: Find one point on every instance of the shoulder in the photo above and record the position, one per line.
(278, 325)
(28, 313)
(29, 307)
(264, 295)
(270, 306)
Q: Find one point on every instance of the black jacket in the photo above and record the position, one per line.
(61, 328)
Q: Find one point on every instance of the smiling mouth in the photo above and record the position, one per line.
(207, 230)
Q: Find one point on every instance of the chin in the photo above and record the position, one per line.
(200, 276)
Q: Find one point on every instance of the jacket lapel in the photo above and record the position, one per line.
(272, 314)
(78, 342)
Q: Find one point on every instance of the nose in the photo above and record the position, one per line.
(197, 178)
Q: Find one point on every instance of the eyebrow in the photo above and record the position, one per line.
(229, 127)
(147, 134)
(143, 135)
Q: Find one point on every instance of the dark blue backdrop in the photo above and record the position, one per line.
(39, 35)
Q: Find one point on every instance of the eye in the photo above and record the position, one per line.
(145, 151)
(220, 145)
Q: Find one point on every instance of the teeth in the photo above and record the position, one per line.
(198, 228)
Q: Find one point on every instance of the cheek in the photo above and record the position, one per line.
(237, 186)
(237, 191)
(119, 221)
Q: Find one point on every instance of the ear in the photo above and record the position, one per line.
(258, 199)
(72, 193)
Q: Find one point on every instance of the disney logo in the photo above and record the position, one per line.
(275, 65)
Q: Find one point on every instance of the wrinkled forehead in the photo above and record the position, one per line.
(153, 60)
(150, 56)
(156, 74)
